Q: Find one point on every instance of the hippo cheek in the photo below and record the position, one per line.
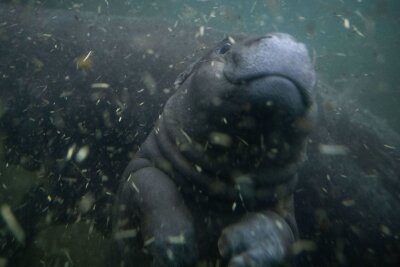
(209, 87)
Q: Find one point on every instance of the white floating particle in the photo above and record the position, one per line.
(12, 223)
(303, 245)
(134, 186)
(220, 139)
(82, 154)
(198, 168)
(279, 224)
(86, 203)
(149, 82)
(170, 254)
(391, 147)
(201, 31)
(187, 137)
(385, 230)
(70, 152)
(358, 31)
(348, 202)
(177, 239)
(148, 241)
(333, 150)
(346, 23)
(131, 233)
(87, 56)
(100, 85)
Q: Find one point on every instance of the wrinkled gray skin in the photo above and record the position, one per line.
(184, 186)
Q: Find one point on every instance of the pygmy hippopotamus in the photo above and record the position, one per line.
(217, 173)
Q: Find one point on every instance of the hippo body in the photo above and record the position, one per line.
(57, 103)
(240, 92)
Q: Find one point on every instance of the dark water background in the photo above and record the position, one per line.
(361, 61)
(355, 45)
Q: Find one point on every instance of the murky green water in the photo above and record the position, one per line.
(359, 59)
(355, 46)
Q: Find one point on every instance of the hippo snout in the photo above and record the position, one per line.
(276, 54)
(277, 71)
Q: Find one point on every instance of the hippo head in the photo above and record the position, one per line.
(247, 104)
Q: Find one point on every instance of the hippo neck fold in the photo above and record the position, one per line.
(186, 160)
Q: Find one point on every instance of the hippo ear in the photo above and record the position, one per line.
(185, 74)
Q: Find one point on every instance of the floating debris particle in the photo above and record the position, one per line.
(328, 177)
(100, 85)
(12, 223)
(148, 241)
(220, 139)
(279, 224)
(187, 137)
(170, 254)
(356, 30)
(177, 239)
(198, 168)
(38, 64)
(348, 202)
(47, 35)
(131, 233)
(243, 141)
(149, 82)
(86, 203)
(333, 150)
(200, 33)
(3, 262)
(346, 23)
(134, 186)
(385, 230)
(70, 152)
(303, 245)
(84, 62)
(82, 154)
(390, 147)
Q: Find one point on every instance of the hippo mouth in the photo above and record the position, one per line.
(272, 93)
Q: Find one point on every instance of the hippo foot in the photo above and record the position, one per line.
(259, 240)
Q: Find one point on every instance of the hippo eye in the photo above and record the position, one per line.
(225, 48)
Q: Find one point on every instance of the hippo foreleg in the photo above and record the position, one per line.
(156, 210)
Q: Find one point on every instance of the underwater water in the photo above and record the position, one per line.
(354, 46)
(359, 58)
